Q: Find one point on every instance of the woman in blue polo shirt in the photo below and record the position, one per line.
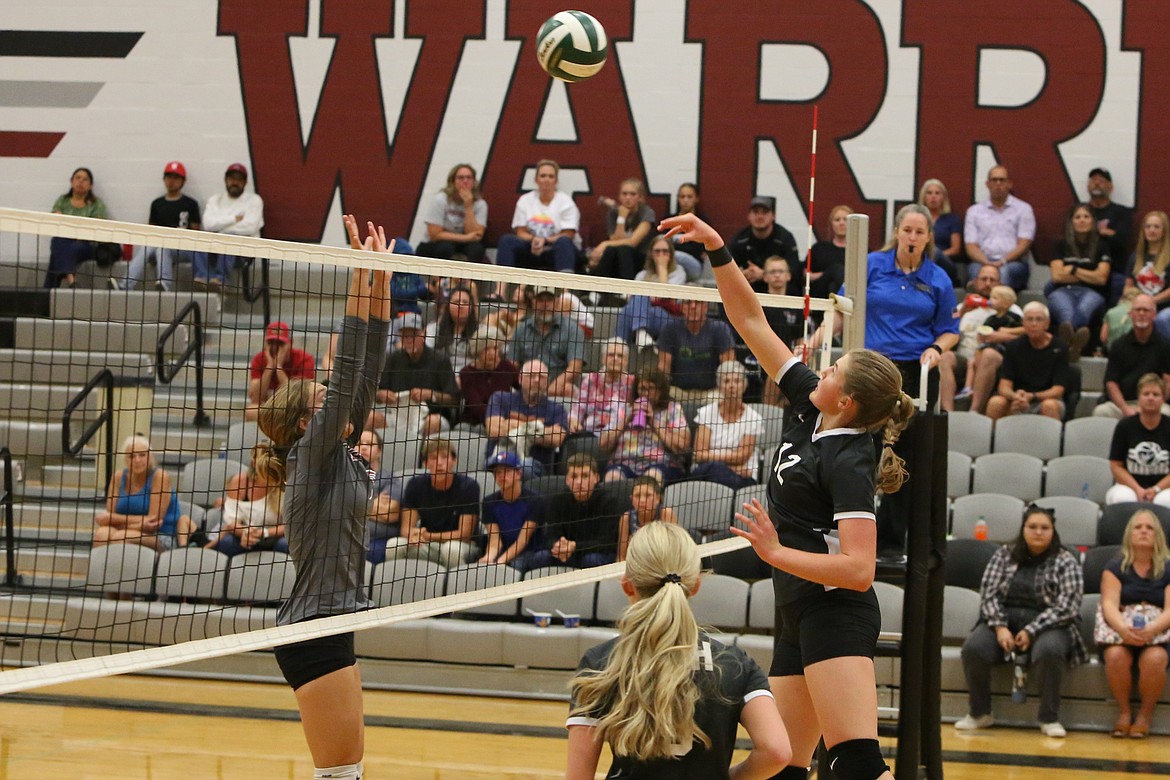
(909, 302)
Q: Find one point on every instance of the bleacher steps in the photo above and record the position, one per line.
(65, 367)
(71, 475)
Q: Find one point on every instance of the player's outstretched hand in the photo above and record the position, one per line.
(688, 227)
(758, 529)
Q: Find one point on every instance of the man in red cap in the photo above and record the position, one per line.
(172, 209)
(234, 212)
(275, 365)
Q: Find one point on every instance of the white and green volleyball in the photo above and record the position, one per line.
(571, 46)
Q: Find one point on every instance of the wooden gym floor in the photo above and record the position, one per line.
(161, 728)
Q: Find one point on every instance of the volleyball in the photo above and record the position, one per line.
(571, 46)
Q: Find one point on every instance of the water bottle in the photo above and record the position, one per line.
(1138, 620)
(638, 421)
(1019, 677)
(981, 529)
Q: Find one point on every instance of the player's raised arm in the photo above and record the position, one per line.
(739, 300)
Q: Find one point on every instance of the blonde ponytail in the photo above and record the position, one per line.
(648, 684)
(891, 471)
(280, 419)
(876, 385)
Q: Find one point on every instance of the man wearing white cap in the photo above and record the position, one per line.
(172, 209)
(551, 338)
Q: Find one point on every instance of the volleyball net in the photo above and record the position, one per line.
(139, 533)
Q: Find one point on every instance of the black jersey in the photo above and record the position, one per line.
(727, 678)
(816, 480)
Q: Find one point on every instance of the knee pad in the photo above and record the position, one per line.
(791, 773)
(857, 759)
(341, 772)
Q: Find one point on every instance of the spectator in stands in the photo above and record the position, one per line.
(386, 505)
(948, 226)
(1114, 221)
(142, 506)
(1117, 320)
(439, 511)
(828, 258)
(487, 373)
(690, 349)
(233, 212)
(1006, 323)
(275, 365)
(762, 238)
(583, 522)
(645, 507)
(172, 209)
(1136, 583)
(65, 254)
(1080, 279)
(630, 224)
(513, 517)
(546, 223)
(1139, 352)
(456, 218)
(605, 394)
(786, 322)
(417, 383)
(1029, 605)
(655, 438)
(1000, 230)
(689, 254)
(450, 334)
(1035, 371)
(551, 338)
(728, 432)
(1139, 455)
(536, 424)
(642, 318)
(972, 312)
(251, 510)
(1150, 269)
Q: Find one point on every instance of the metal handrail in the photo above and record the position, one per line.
(167, 371)
(105, 377)
(262, 292)
(10, 576)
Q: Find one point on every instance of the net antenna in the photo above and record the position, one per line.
(812, 190)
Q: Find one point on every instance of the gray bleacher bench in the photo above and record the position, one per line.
(130, 306)
(98, 336)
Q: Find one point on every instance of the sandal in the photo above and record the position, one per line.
(1140, 728)
(1121, 728)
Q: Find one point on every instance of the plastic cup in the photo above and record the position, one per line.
(542, 619)
(571, 621)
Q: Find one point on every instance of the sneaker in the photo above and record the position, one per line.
(1053, 729)
(643, 339)
(1065, 331)
(972, 723)
(160, 286)
(966, 392)
(113, 283)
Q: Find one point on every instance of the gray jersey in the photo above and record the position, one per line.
(328, 490)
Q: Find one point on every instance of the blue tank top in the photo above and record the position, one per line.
(139, 504)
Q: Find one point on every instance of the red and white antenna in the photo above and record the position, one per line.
(812, 190)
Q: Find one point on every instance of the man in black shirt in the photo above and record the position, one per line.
(1035, 370)
(761, 239)
(175, 210)
(418, 385)
(583, 522)
(1139, 352)
(1114, 221)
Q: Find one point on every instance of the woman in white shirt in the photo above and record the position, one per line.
(725, 442)
(251, 512)
(546, 222)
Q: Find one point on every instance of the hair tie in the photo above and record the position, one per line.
(672, 577)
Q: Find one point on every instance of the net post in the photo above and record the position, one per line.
(935, 588)
(856, 254)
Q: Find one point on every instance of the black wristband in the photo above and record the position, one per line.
(936, 348)
(719, 257)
